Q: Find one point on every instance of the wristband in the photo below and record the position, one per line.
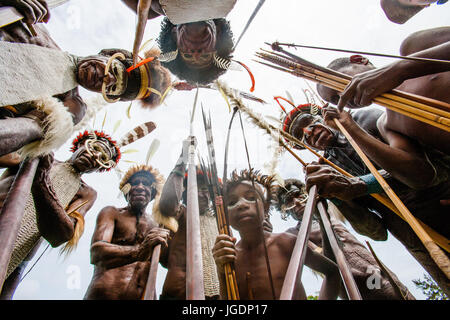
(372, 184)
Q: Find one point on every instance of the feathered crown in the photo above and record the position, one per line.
(130, 137)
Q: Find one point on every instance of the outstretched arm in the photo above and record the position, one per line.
(366, 86)
(54, 224)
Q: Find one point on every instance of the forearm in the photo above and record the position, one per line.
(109, 255)
(400, 164)
(53, 222)
(408, 69)
(172, 191)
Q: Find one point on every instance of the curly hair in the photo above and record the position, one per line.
(282, 191)
(224, 48)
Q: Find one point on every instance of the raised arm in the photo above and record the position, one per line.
(173, 188)
(366, 86)
(53, 221)
(155, 9)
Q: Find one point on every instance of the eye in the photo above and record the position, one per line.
(188, 55)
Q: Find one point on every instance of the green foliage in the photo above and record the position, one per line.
(312, 297)
(430, 288)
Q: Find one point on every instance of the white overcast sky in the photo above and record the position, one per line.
(85, 27)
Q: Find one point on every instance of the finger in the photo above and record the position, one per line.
(28, 12)
(222, 236)
(311, 168)
(42, 10)
(46, 17)
(366, 98)
(345, 97)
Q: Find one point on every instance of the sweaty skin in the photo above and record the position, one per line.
(248, 254)
(122, 245)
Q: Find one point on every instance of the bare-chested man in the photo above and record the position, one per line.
(245, 209)
(124, 238)
(291, 200)
(57, 191)
(426, 79)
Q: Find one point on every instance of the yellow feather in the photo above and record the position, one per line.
(155, 91)
(130, 151)
(152, 150)
(104, 119)
(165, 93)
(145, 44)
(128, 110)
(225, 97)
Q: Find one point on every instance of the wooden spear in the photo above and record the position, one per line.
(13, 210)
(151, 281)
(433, 249)
(349, 282)
(297, 261)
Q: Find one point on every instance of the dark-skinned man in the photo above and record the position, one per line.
(124, 238)
(291, 201)
(42, 103)
(57, 190)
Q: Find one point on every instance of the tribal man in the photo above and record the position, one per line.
(124, 238)
(291, 201)
(354, 202)
(246, 206)
(195, 39)
(53, 209)
(41, 114)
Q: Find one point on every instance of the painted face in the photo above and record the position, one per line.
(141, 191)
(310, 130)
(295, 202)
(91, 156)
(196, 43)
(101, 151)
(91, 75)
(242, 202)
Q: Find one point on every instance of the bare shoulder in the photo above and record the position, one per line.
(108, 213)
(424, 39)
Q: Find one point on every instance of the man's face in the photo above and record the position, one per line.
(295, 202)
(242, 206)
(196, 43)
(91, 75)
(311, 131)
(90, 156)
(141, 192)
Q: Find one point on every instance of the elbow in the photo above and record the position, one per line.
(166, 208)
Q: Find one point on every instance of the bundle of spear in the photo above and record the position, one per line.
(433, 112)
(215, 191)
